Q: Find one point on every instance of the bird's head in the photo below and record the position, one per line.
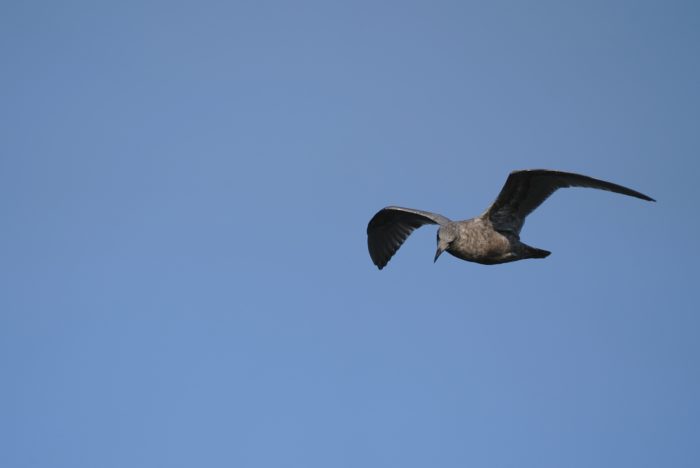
(445, 235)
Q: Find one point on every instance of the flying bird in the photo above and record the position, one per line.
(492, 237)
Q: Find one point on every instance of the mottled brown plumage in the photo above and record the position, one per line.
(494, 236)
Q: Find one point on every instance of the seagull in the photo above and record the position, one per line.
(494, 236)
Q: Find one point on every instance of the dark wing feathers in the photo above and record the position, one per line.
(524, 191)
(390, 227)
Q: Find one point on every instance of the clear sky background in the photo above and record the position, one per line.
(184, 191)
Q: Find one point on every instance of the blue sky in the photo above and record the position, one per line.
(185, 188)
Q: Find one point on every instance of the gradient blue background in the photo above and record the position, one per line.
(184, 191)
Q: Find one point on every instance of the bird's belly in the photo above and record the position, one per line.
(488, 248)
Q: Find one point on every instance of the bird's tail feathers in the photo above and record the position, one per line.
(538, 253)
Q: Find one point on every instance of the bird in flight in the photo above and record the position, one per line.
(492, 237)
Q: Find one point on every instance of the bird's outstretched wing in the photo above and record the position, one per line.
(390, 227)
(525, 190)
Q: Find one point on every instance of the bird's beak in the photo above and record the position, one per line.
(437, 253)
